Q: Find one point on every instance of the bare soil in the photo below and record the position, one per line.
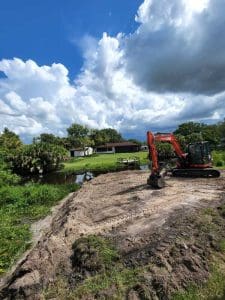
(144, 224)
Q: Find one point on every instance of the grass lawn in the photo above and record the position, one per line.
(101, 162)
(108, 162)
(19, 207)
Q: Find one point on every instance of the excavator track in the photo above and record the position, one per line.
(207, 173)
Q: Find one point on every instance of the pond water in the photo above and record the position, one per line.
(69, 178)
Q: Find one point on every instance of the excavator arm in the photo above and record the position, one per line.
(156, 178)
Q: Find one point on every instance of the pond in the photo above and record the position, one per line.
(70, 177)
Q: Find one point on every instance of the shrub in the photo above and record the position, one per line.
(36, 158)
(219, 163)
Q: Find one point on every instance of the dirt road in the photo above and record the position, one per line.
(120, 205)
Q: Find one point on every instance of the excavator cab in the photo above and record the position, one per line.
(198, 154)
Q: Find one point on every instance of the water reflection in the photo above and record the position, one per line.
(81, 178)
(144, 167)
(69, 178)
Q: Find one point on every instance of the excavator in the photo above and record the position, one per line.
(197, 162)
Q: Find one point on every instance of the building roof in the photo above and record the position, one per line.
(121, 144)
(80, 149)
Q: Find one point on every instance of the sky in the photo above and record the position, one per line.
(129, 65)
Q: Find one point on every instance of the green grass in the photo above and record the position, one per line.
(108, 162)
(123, 279)
(213, 289)
(100, 250)
(219, 159)
(19, 207)
(101, 162)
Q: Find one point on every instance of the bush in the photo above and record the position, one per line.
(36, 158)
(7, 178)
(218, 158)
(219, 163)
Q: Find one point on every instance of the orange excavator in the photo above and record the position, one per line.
(197, 162)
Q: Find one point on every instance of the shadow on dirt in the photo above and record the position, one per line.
(136, 188)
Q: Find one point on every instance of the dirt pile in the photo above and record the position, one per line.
(171, 258)
(148, 227)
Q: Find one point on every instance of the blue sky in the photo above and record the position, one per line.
(49, 31)
(130, 65)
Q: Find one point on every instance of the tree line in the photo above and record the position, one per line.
(47, 151)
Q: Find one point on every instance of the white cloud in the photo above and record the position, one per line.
(152, 79)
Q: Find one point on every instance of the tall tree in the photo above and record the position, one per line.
(112, 135)
(48, 138)
(107, 135)
(221, 129)
(189, 128)
(78, 136)
(9, 140)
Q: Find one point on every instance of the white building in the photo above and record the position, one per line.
(80, 152)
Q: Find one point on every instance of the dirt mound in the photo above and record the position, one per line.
(145, 225)
(176, 255)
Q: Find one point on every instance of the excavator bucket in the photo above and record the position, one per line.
(156, 181)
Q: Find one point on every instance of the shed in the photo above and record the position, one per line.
(80, 152)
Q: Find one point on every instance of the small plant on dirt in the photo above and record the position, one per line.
(93, 253)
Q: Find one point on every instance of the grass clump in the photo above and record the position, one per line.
(122, 279)
(19, 207)
(213, 289)
(98, 261)
(93, 253)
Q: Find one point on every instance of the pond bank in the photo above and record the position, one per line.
(78, 177)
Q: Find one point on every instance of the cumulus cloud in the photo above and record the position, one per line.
(179, 46)
(169, 71)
